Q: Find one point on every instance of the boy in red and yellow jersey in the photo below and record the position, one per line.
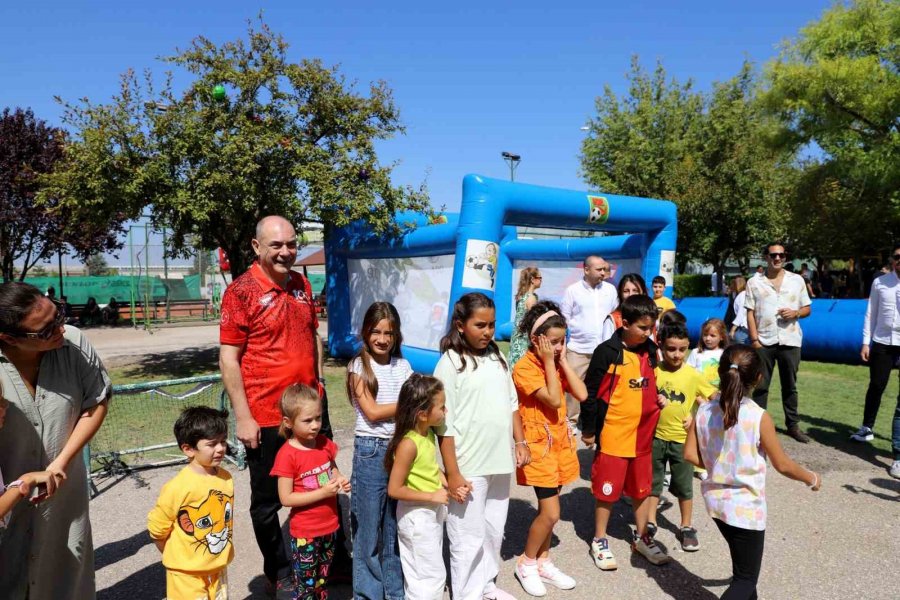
(621, 413)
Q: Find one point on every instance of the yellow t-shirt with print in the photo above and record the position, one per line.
(681, 387)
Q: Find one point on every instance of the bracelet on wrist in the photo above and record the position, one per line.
(18, 483)
(522, 443)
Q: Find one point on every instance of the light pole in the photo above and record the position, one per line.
(513, 161)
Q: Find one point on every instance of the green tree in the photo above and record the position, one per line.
(707, 153)
(636, 144)
(294, 139)
(96, 265)
(736, 187)
(837, 88)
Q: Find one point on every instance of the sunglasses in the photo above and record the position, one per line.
(537, 276)
(896, 257)
(774, 255)
(47, 332)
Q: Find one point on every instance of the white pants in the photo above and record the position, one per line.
(475, 530)
(420, 532)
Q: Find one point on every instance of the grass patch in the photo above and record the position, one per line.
(831, 403)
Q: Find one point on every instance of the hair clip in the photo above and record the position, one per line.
(733, 366)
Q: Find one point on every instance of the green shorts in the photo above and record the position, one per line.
(672, 453)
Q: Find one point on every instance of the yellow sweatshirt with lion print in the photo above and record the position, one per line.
(195, 513)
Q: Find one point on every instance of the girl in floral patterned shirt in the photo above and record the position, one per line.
(731, 438)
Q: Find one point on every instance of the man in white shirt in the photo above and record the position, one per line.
(775, 303)
(585, 305)
(881, 349)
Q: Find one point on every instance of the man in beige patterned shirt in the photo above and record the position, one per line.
(775, 303)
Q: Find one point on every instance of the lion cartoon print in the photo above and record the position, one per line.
(209, 523)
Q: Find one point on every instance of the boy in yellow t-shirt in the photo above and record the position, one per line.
(663, 303)
(680, 385)
(192, 522)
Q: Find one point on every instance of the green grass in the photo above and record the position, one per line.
(831, 403)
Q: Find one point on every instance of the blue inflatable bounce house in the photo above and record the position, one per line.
(482, 249)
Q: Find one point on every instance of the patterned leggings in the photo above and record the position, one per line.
(310, 563)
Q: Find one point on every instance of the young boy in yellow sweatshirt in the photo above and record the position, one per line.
(192, 522)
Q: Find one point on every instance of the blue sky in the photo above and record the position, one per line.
(471, 79)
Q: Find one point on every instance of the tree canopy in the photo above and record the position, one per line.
(289, 138)
(836, 89)
(705, 152)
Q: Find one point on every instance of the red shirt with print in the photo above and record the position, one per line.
(310, 469)
(276, 326)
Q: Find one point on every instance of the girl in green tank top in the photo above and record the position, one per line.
(419, 487)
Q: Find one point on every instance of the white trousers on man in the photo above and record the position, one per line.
(475, 531)
(420, 533)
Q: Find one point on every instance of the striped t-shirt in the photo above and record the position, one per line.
(391, 378)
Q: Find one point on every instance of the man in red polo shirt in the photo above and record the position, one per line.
(268, 341)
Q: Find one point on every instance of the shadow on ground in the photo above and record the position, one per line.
(177, 364)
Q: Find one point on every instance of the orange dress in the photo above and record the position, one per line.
(553, 458)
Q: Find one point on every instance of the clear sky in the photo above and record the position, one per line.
(471, 79)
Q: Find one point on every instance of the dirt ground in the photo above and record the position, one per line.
(841, 542)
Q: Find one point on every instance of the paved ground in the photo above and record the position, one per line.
(840, 543)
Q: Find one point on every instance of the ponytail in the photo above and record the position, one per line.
(739, 370)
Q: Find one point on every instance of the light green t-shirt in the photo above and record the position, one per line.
(480, 406)
(424, 475)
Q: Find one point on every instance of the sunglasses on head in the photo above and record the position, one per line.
(47, 332)
(777, 255)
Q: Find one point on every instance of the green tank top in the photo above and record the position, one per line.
(424, 475)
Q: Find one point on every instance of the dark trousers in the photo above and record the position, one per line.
(746, 548)
(882, 358)
(265, 504)
(788, 360)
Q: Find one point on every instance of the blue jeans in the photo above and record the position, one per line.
(741, 336)
(377, 572)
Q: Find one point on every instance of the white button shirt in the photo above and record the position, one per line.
(765, 301)
(585, 308)
(882, 322)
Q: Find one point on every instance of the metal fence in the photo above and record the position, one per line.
(137, 433)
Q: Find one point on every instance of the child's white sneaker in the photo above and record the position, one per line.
(530, 578)
(551, 574)
(602, 555)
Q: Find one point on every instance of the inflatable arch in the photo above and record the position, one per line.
(424, 271)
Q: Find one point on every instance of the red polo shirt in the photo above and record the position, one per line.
(276, 327)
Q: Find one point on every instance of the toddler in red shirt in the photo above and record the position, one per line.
(308, 482)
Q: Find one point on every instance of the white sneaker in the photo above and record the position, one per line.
(895, 469)
(498, 594)
(651, 551)
(602, 555)
(863, 434)
(531, 580)
(552, 575)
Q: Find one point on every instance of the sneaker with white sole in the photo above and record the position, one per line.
(647, 547)
(863, 434)
(895, 469)
(498, 594)
(530, 579)
(602, 555)
(689, 540)
(551, 575)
